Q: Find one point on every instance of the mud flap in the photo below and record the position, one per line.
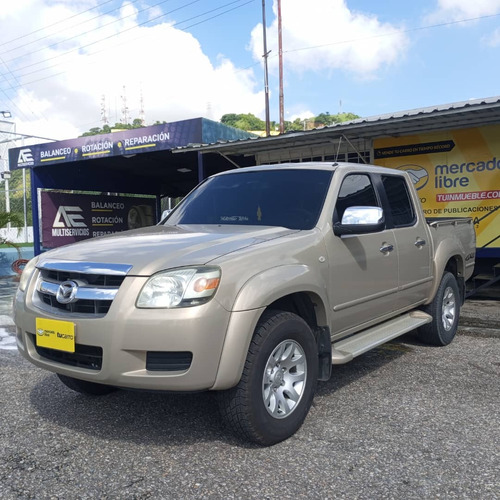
(324, 353)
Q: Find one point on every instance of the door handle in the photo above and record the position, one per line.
(386, 248)
(420, 242)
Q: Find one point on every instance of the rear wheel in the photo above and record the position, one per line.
(445, 311)
(86, 387)
(278, 382)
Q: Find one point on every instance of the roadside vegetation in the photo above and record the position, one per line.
(251, 122)
(243, 121)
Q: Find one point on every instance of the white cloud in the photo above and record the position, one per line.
(325, 35)
(54, 87)
(302, 115)
(493, 40)
(455, 10)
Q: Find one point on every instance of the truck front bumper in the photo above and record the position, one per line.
(151, 349)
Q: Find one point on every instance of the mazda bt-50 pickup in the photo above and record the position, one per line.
(258, 282)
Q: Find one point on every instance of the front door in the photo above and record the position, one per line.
(363, 269)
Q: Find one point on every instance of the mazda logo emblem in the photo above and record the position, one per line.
(66, 292)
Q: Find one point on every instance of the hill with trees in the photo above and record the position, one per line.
(248, 121)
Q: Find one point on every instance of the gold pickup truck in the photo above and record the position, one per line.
(256, 284)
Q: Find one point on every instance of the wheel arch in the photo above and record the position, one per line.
(306, 304)
(455, 264)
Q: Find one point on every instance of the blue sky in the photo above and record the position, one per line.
(62, 60)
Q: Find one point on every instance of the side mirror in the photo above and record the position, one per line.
(360, 220)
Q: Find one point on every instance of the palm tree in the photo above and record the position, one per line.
(13, 219)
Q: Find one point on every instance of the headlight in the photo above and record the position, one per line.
(26, 274)
(189, 286)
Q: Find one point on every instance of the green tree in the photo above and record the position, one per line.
(243, 121)
(229, 119)
(15, 221)
(107, 129)
(347, 117)
(251, 122)
(296, 125)
(325, 119)
(16, 197)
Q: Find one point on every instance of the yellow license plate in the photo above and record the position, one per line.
(55, 334)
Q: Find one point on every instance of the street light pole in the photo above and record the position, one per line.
(5, 171)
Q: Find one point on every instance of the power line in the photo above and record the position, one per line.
(56, 23)
(65, 29)
(392, 33)
(13, 88)
(87, 32)
(213, 17)
(134, 27)
(257, 63)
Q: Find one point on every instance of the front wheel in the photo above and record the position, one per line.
(278, 382)
(445, 310)
(86, 387)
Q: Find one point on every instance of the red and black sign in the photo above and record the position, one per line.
(67, 218)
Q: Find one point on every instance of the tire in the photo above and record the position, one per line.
(445, 311)
(140, 216)
(277, 386)
(135, 218)
(86, 387)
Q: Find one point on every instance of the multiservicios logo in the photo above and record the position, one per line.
(69, 221)
(418, 175)
(25, 158)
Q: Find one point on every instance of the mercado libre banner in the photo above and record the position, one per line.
(456, 173)
(67, 218)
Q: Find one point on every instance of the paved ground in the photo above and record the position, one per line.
(403, 421)
(8, 287)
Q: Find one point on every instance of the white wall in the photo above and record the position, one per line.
(21, 235)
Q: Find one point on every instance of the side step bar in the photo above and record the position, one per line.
(347, 349)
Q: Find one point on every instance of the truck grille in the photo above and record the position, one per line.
(83, 288)
(81, 306)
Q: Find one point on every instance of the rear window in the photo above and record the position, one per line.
(287, 198)
(399, 200)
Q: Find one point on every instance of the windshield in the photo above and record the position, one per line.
(287, 198)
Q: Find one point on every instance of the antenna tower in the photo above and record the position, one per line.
(142, 114)
(104, 115)
(124, 118)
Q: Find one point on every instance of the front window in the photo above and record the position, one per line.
(283, 197)
(356, 191)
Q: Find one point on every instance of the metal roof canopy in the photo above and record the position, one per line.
(136, 161)
(473, 113)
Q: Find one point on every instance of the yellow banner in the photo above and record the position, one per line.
(456, 173)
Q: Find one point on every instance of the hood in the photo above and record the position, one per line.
(152, 249)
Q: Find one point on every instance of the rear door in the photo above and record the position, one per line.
(411, 236)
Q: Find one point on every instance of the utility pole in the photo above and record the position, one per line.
(266, 75)
(280, 53)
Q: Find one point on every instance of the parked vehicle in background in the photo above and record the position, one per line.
(254, 285)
